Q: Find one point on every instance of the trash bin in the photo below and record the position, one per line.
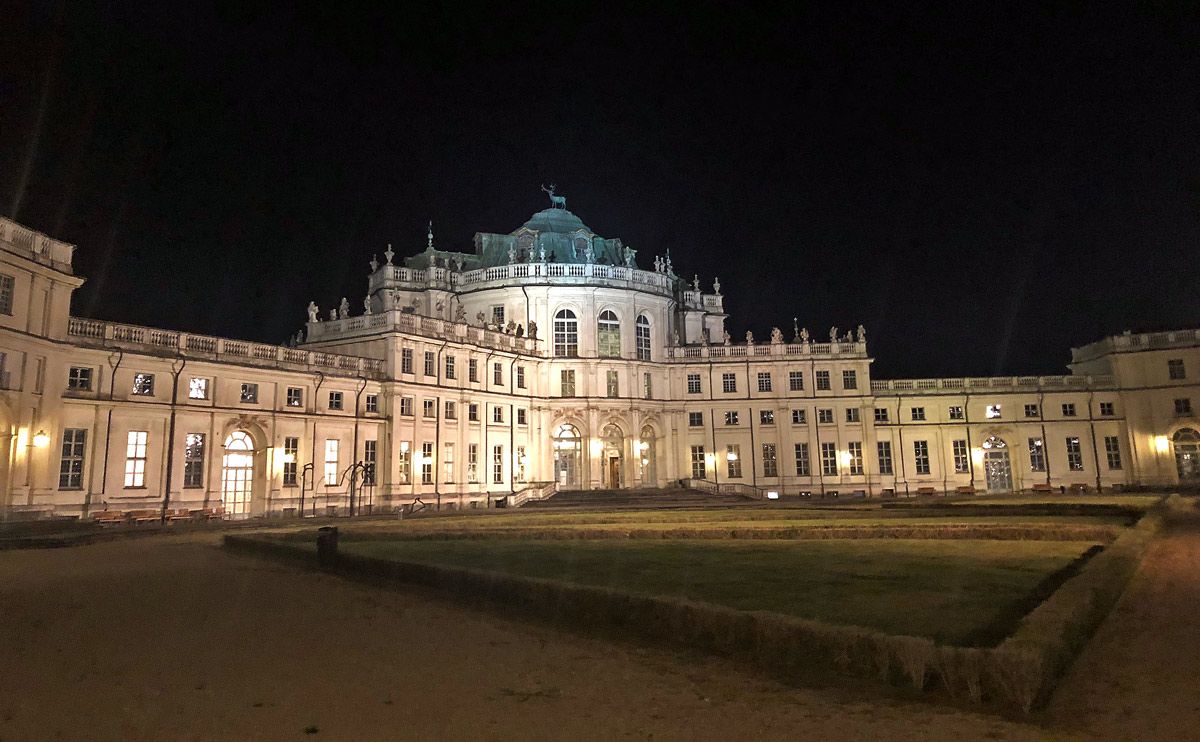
(327, 545)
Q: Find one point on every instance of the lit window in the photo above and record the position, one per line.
(448, 463)
(799, 417)
(733, 457)
(331, 461)
(612, 383)
(766, 417)
(249, 394)
(993, 411)
(921, 456)
(291, 453)
(368, 475)
(1074, 454)
(198, 388)
(295, 396)
(426, 463)
(135, 458)
(497, 464)
(1037, 455)
(854, 448)
(731, 417)
(193, 460)
(955, 412)
(143, 385)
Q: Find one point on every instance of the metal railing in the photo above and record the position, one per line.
(431, 327)
(535, 491)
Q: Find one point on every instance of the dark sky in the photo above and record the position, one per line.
(981, 187)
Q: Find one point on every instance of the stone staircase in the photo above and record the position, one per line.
(632, 499)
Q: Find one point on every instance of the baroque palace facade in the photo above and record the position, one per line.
(548, 355)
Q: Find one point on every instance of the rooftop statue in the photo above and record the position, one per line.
(312, 312)
(728, 340)
(533, 329)
(833, 334)
(862, 334)
(366, 304)
(749, 338)
(374, 264)
(695, 283)
(717, 285)
(389, 254)
(804, 334)
(628, 257)
(556, 202)
(333, 313)
(776, 336)
(344, 308)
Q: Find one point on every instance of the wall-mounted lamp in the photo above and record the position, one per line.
(40, 439)
(1162, 444)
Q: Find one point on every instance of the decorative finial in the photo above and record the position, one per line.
(429, 236)
(717, 285)
(556, 201)
(795, 329)
(388, 254)
(374, 264)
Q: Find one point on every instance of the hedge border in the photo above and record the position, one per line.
(1015, 676)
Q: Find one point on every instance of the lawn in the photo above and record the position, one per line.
(950, 591)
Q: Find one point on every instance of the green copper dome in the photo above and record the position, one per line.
(555, 220)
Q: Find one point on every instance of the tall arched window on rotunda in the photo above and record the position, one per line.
(643, 338)
(566, 334)
(608, 335)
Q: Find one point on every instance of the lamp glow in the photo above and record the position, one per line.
(731, 456)
(40, 439)
(844, 458)
(1162, 444)
(977, 455)
(289, 458)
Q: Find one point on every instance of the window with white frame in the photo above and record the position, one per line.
(829, 466)
(70, 468)
(473, 370)
(695, 419)
(522, 416)
(796, 381)
(473, 463)
(143, 385)
(498, 315)
(883, 450)
(1112, 450)
(404, 460)
(331, 461)
(135, 458)
(612, 384)
(406, 360)
(608, 335)
(764, 381)
(372, 403)
(497, 464)
(1074, 454)
(954, 412)
(1032, 410)
(498, 374)
(1068, 409)
(451, 410)
(849, 380)
(852, 415)
(291, 455)
(406, 406)
(729, 383)
(993, 411)
(823, 381)
(249, 394)
(7, 288)
(369, 459)
(962, 461)
(335, 400)
(79, 379)
(566, 334)
(567, 382)
(918, 414)
(699, 468)
(430, 363)
(295, 396)
(198, 388)
(647, 385)
(921, 457)
(693, 383)
(428, 408)
(448, 463)
(497, 414)
(731, 417)
(824, 416)
(733, 458)
(427, 463)
(854, 448)
(799, 417)
(643, 338)
(520, 377)
(770, 460)
(449, 367)
(802, 463)
(766, 417)
(193, 460)
(1037, 455)
(881, 414)
(472, 412)
(1106, 409)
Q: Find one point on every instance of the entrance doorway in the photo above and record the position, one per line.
(1187, 455)
(567, 455)
(614, 442)
(997, 468)
(614, 472)
(237, 474)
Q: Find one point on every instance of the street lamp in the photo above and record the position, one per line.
(40, 439)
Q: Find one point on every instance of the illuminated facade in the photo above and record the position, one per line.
(546, 355)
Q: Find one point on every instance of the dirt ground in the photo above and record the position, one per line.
(172, 638)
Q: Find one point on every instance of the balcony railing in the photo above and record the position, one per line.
(965, 385)
(583, 273)
(169, 342)
(1139, 341)
(806, 350)
(36, 245)
(432, 327)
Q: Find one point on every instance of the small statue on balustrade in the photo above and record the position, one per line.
(749, 338)
(532, 330)
(510, 328)
(776, 336)
(366, 305)
(313, 312)
(862, 334)
(520, 330)
(833, 334)
(344, 308)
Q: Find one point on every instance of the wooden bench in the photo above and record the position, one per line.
(109, 517)
(145, 516)
(926, 491)
(965, 489)
(1042, 487)
(208, 513)
(179, 514)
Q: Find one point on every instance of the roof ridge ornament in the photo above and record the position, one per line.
(556, 201)
(429, 236)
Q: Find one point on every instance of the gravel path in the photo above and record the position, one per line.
(1139, 678)
(170, 638)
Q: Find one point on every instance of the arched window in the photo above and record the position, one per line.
(566, 334)
(568, 452)
(608, 335)
(237, 474)
(643, 338)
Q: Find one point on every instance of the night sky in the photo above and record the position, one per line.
(981, 187)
